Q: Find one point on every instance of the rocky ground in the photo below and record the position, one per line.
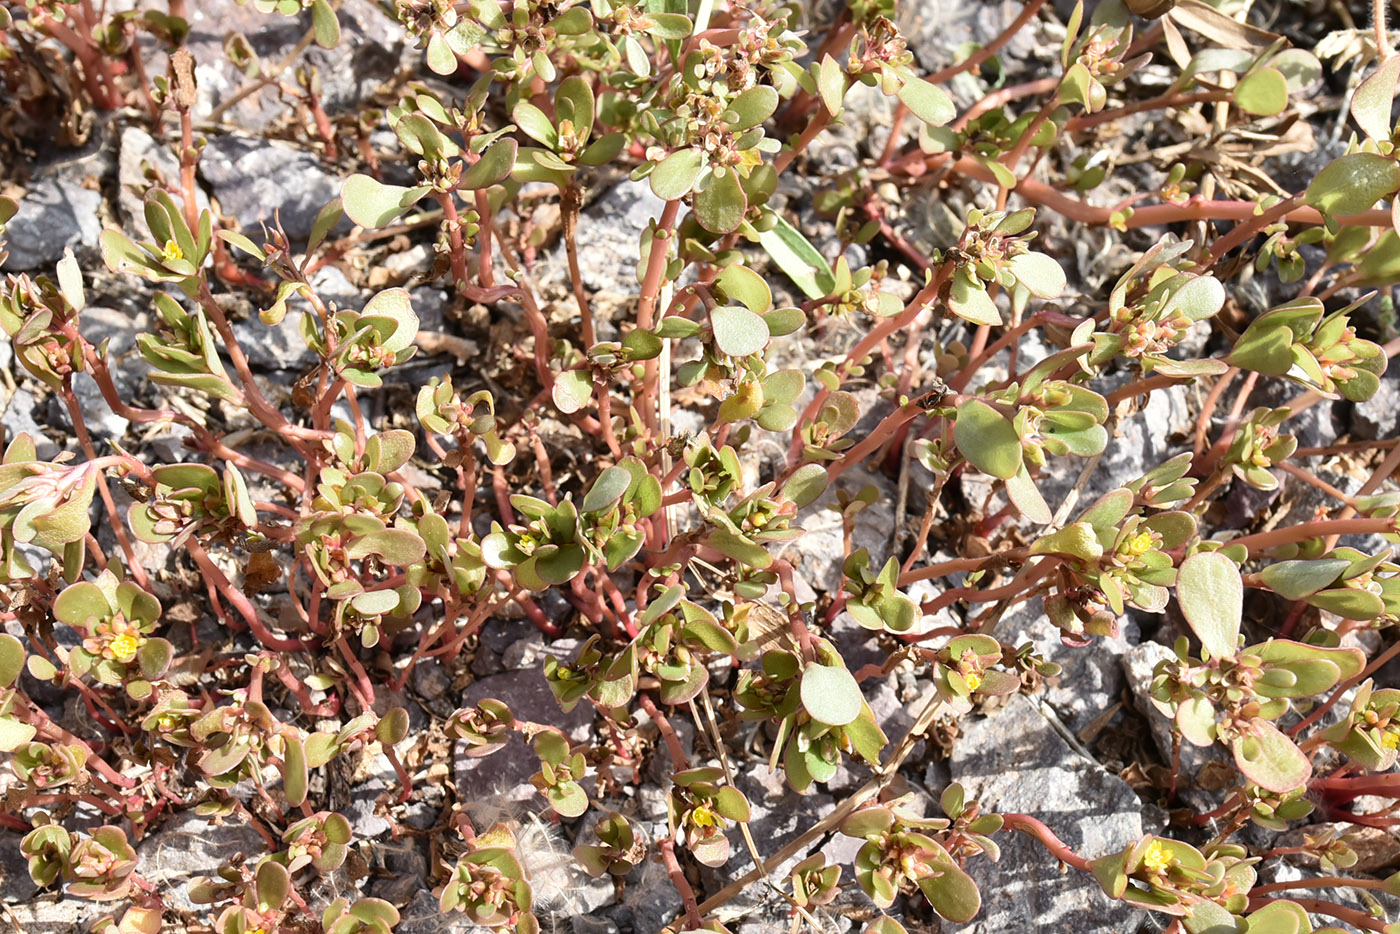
(1084, 753)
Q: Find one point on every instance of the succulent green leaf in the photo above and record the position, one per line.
(968, 299)
(831, 694)
(669, 26)
(324, 24)
(606, 490)
(951, 892)
(1211, 594)
(731, 803)
(271, 884)
(1294, 580)
(738, 331)
(11, 659)
(1039, 273)
(1264, 92)
(1371, 103)
(1195, 718)
(831, 85)
(928, 102)
(806, 484)
(987, 439)
(675, 176)
(721, 204)
(1353, 183)
(794, 255)
(370, 203)
(294, 771)
(1269, 758)
(743, 285)
(535, 124)
(753, 106)
(572, 390)
(493, 166)
(14, 734)
(1279, 917)
(1024, 493)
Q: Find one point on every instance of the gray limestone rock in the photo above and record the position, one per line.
(189, 846)
(1018, 762)
(608, 237)
(255, 179)
(56, 213)
(1092, 678)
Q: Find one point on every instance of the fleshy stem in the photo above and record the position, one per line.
(1057, 847)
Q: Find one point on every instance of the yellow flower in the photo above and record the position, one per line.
(702, 816)
(171, 251)
(123, 647)
(1157, 859)
(1140, 544)
(973, 680)
(1390, 738)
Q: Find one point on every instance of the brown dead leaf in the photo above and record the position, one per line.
(260, 573)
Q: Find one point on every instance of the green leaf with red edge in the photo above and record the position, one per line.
(568, 799)
(1195, 718)
(80, 603)
(712, 852)
(225, 759)
(1371, 102)
(1270, 759)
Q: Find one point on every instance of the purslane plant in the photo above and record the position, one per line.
(716, 108)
